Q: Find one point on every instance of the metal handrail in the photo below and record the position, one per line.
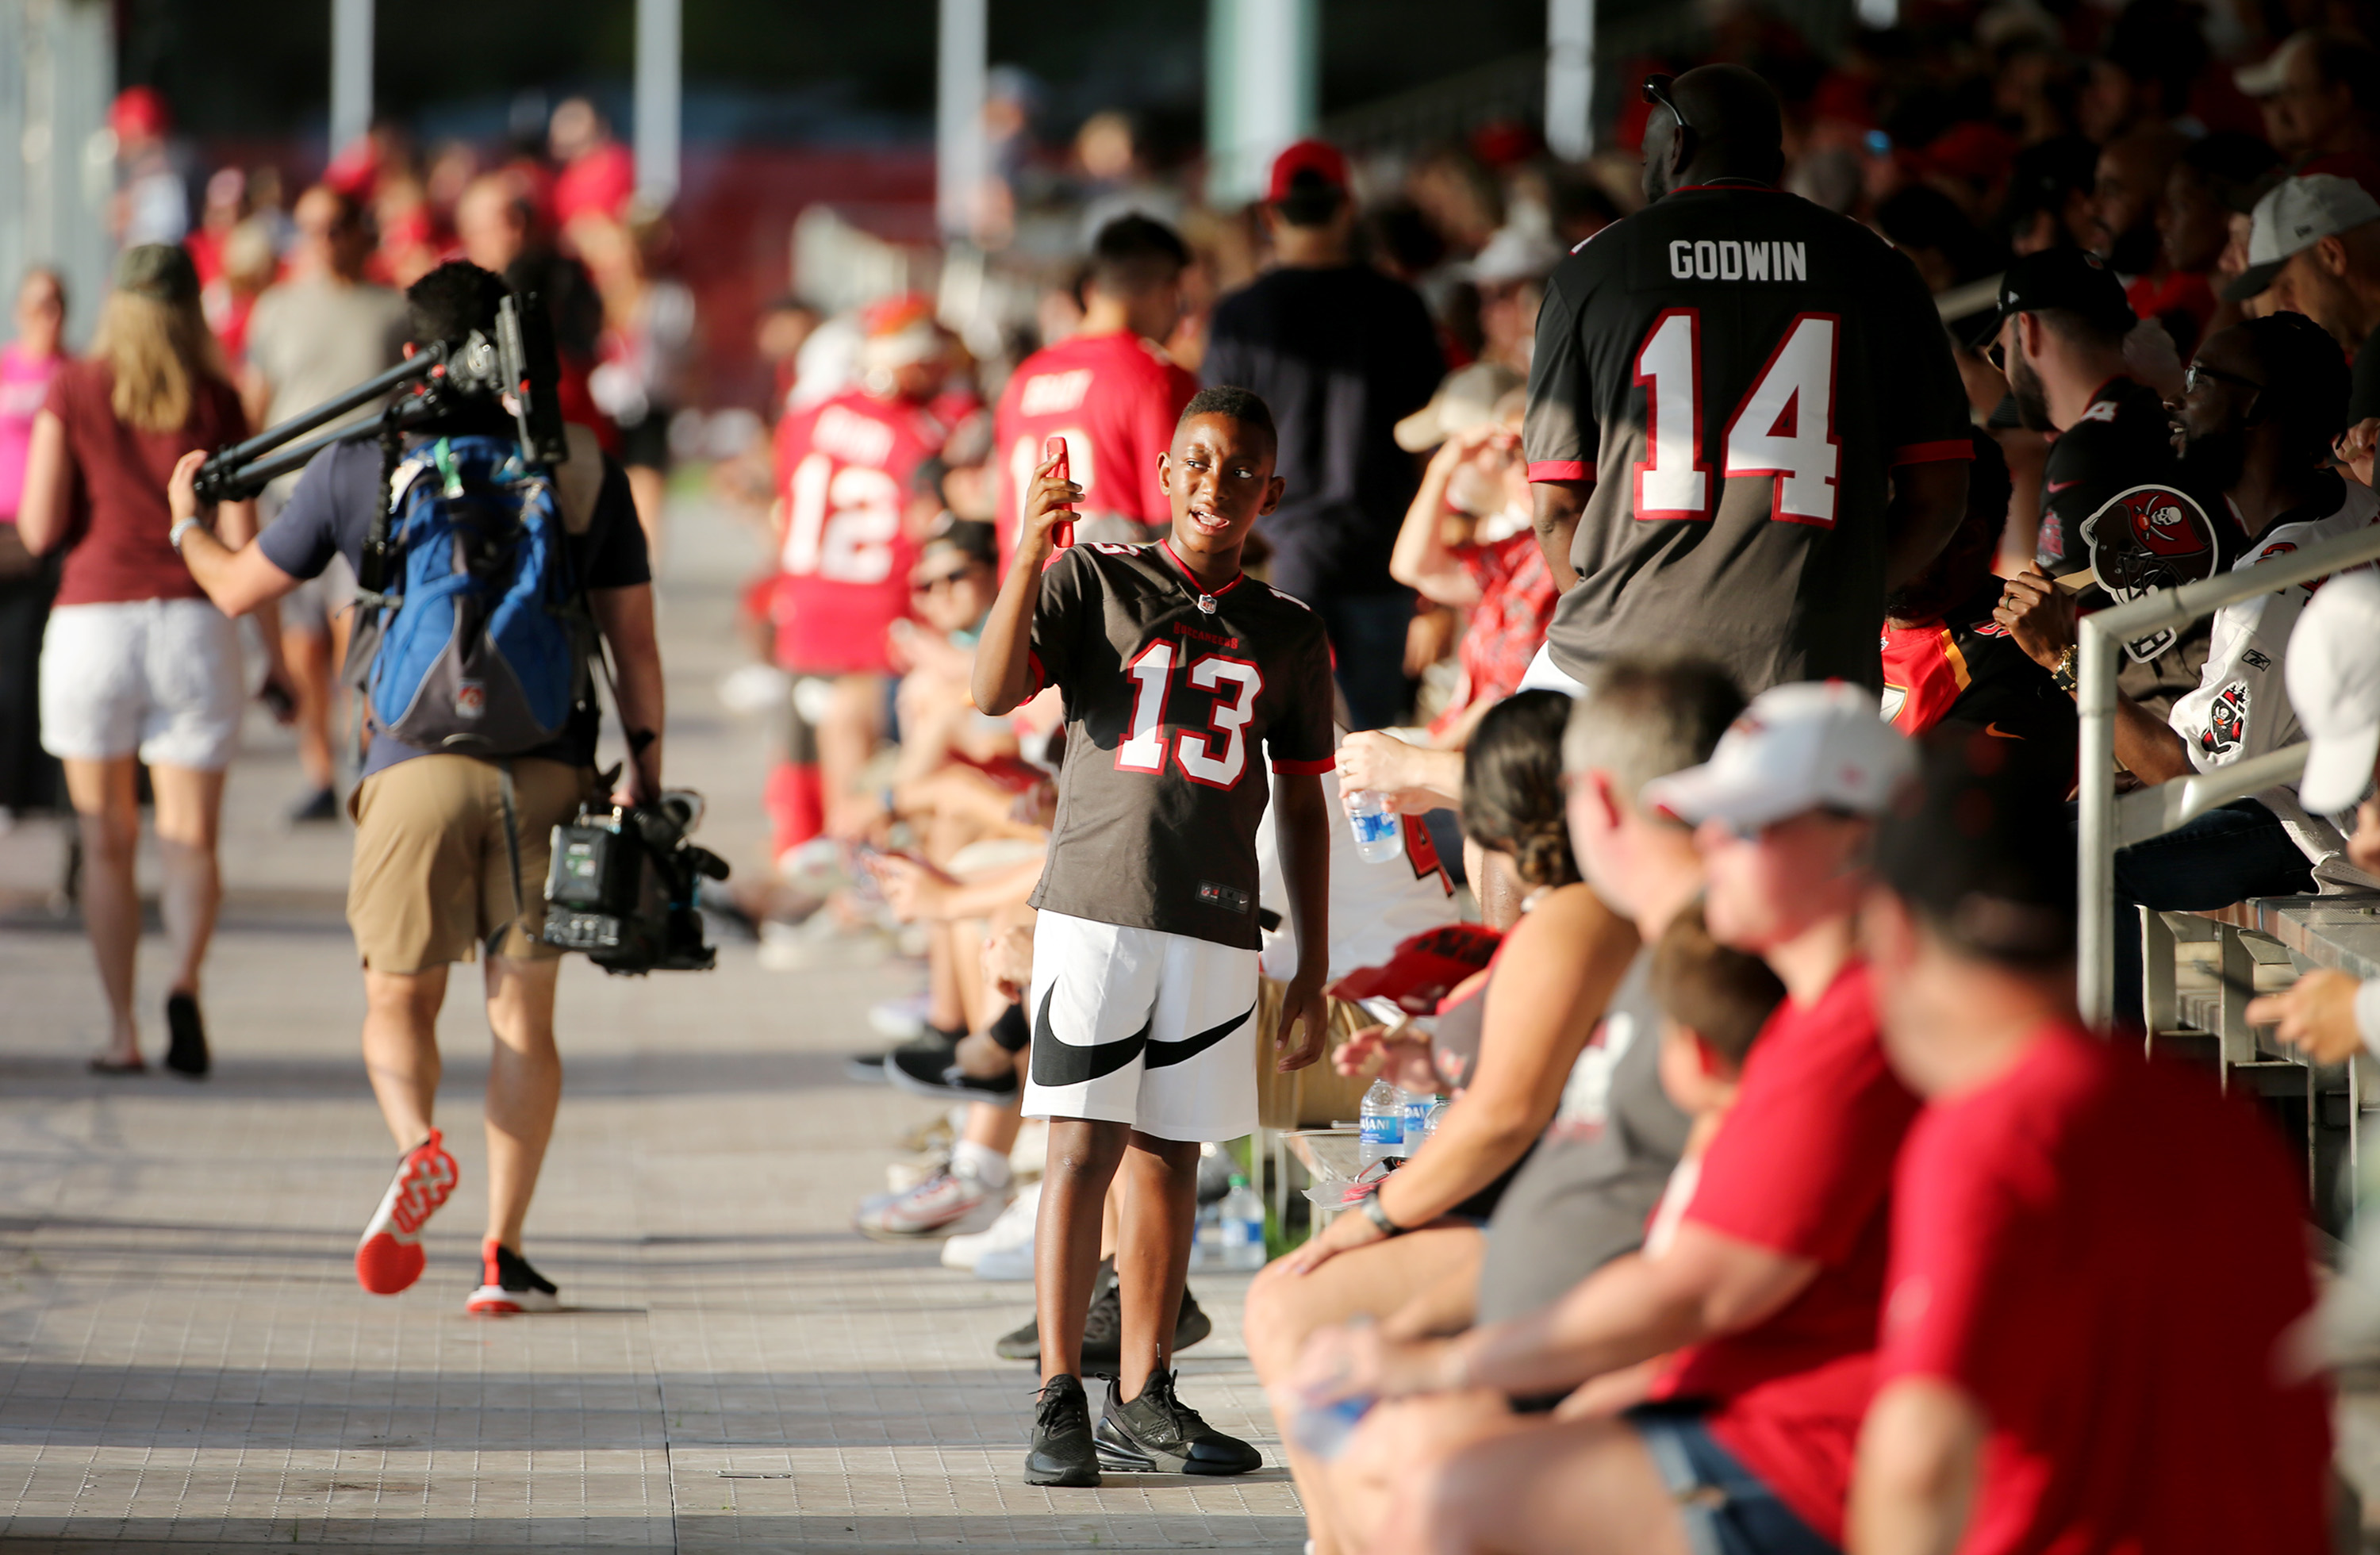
(2101, 636)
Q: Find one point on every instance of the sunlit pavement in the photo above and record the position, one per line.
(186, 1359)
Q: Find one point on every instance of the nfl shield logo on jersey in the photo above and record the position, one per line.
(2146, 539)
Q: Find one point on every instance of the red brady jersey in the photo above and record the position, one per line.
(1114, 398)
(1169, 693)
(844, 469)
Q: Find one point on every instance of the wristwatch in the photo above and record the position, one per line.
(2063, 677)
(1379, 1217)
(182, 527)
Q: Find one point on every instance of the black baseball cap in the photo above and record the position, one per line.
(2073, 279)
(1980, 847)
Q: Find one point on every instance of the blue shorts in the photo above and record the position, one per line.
(1725, 1507)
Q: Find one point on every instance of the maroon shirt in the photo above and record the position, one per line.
(119, 521)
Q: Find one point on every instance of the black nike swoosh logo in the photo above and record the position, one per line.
(1162, 1054)
(1066, 1064)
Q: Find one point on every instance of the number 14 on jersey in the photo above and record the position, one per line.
(1784, 427)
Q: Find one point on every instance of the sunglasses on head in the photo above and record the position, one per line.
(1657, 91)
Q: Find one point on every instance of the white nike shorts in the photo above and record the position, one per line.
(1134, 1026)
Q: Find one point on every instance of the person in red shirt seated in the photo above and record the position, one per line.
(1766, 1300)
(2098, 1261)
(1109, 389)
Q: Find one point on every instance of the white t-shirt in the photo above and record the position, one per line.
(1374, 907)
(2242, 706)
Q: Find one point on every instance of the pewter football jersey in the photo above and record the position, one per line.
(1736, 369)
(1170, 694)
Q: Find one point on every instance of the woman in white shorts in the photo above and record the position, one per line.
(137, 668)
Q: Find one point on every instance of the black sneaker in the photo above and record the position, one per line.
(509, 1285)
(323, 805)
(186, 1053)
(931, 1072)
(1103, 1329)
(869, 1069)
(1158, 1433)
(1062, 1453)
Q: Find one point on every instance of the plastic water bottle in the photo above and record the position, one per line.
(1383, 1120)
(1435, 1116)
(1379, 831)
(1417, 1111)
(1208, 1249)
(1324, 1432)
(1242, 1229)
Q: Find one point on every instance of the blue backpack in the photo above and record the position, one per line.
(480, 643)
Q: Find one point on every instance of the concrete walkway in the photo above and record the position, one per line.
(186, 1360)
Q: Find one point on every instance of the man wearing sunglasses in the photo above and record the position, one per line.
(2263, 402)
(1744, 423)
(2061, 341)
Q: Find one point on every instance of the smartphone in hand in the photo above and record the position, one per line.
(1055, 448)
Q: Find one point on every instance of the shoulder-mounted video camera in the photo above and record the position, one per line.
(518, 359)
(621, 889)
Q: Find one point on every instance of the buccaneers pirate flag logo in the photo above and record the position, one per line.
(2146, 539)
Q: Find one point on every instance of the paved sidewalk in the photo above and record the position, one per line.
(186, 1359)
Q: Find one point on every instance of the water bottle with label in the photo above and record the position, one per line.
(1416, 1111)
(1243, 1226)
(1434, 1118)
(1383, 1123)
(1379, 831)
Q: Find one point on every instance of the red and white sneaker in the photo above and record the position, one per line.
(389, 1258)
(947, 1204)
(509, 1284)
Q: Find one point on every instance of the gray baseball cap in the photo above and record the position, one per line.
(2298, 213)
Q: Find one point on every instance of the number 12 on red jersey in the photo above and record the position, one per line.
(1784, 428)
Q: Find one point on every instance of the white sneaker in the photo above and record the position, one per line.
(899, 1019)
(1014, 1226)
(1006, 1265)
(946, 1204)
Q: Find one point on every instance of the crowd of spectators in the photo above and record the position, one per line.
(1781, 1201)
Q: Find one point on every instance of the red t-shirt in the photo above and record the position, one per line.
(1803, 1167)
(2103, 1253)
(843, 467)
(1516, 599)
(1115, 399)
(119, 520)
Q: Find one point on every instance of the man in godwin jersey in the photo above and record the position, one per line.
(1108, 389)
(1743, 421)
(844, 555)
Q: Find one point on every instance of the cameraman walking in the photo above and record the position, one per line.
(437, 834)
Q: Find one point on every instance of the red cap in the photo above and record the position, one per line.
(139, 114)
(1319, 157)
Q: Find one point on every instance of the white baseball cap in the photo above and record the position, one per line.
(2294, 215)
(1796, 747)
(2333, 667)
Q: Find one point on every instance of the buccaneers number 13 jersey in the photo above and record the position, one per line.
(1170, 692)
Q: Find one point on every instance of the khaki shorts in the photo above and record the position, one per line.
(432, 880)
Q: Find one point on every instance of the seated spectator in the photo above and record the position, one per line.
(2334, 680)
(2320, 93)
(2319, 237)
(2214, 186)
(1770, 1294)
(1714, 1002)
(2048, 203)
(2267, 399)
(2087, 1248)
(1496, 573)
(1553, 978)
(1945, 657)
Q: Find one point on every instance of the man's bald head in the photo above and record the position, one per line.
(1736, 129)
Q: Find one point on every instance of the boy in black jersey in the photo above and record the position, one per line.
(1174, 665)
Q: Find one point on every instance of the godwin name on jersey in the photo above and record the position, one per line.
(1170, 694)
(1736, 370)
